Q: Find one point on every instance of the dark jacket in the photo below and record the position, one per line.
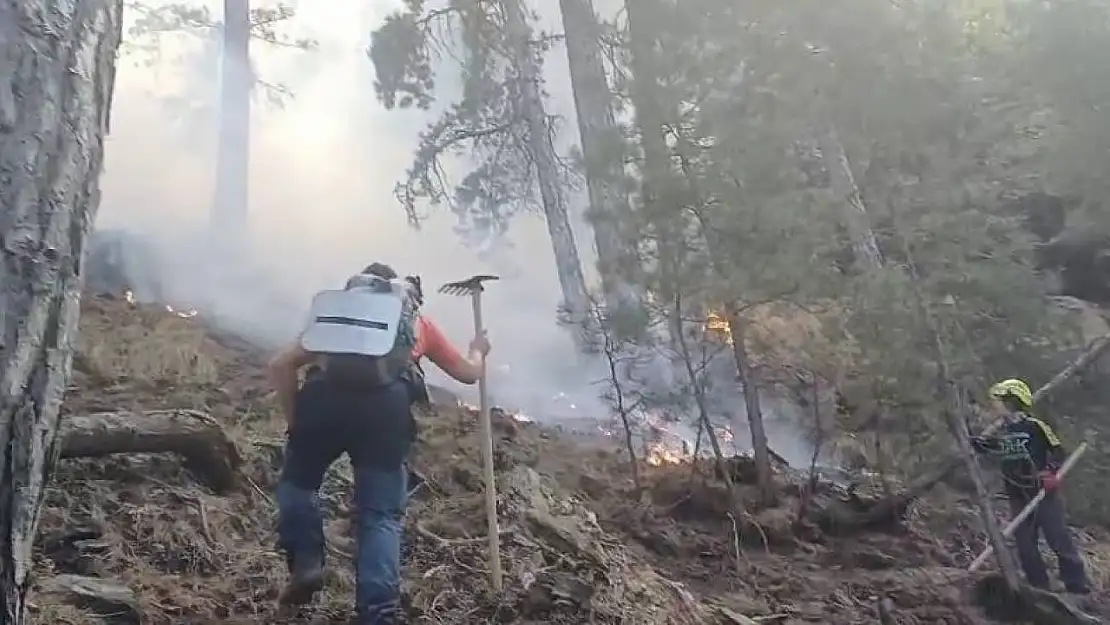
(1024, 447)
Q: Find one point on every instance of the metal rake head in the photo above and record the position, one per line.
(471, 285)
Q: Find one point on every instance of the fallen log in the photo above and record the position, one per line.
(194, 435)
(894, 507)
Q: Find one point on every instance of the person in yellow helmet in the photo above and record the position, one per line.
(1030, 453)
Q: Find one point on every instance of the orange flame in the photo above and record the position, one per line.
(659, 454)
(716, 323)
(184, 313)
(665, 446)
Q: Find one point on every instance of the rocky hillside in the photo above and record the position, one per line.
(179, 529)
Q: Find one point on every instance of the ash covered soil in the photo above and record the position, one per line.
(139, 538)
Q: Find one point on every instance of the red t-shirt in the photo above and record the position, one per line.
(431, 342)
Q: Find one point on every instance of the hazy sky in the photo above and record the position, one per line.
(322, 174)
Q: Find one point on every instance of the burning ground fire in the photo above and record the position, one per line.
(665, 446)
(659, 455)
(717, 324)
(661, 445)
(180, 312)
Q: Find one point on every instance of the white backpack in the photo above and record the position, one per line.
(365, 332)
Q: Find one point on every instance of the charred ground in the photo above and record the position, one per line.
(140, 538)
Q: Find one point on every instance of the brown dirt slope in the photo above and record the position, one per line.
(579, 544)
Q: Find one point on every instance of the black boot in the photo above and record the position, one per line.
(305, 580)
(385, 620)
(389, 620)
(391, 617)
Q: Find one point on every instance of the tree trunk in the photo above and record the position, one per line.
(760, 451)
(843, 182)
(543, 154)
(602, 148)
(649, 113)
(660, 211)
(1006, 562)
(231, 201)
(194, 435)
(56, 82)
(697, 386)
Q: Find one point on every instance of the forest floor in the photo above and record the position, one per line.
(137, 538)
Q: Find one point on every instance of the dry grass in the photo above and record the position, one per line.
(146, 345)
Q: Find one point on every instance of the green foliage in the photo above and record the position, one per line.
(152, 25)
(751, 93)
(400, 51)
(152, 21)
(794, 134)
(1060, 60)
(485, 123)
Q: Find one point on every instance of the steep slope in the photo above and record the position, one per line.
(580, 544)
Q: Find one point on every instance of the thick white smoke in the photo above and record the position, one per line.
(323, 168)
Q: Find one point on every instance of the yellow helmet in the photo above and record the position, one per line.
(1013, 388)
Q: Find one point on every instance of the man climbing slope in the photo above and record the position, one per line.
(356, 400)
(1030, 453)
(432, 343)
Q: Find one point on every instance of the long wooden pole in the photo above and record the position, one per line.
(1029, 508)
(496, 578)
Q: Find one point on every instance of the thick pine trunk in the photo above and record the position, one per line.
(660, 210)
(649, 113)
(231, 201)
(57, 69)
(542, 150)
(602, 147)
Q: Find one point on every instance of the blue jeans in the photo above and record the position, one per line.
(374, 429)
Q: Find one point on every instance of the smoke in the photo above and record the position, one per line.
(323, 165)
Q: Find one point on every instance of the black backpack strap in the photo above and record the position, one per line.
(417, 387)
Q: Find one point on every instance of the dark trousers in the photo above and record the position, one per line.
(1049, 519)
(374, 428)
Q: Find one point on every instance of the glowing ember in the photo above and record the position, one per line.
(659, 454)
(184, 314)
(518, 417)
(663, 445)
(717, 324)
(180, 312)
